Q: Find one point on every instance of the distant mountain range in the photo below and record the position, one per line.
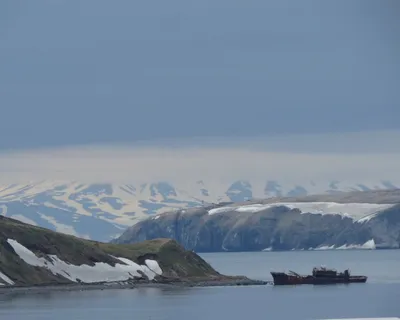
(103, 211)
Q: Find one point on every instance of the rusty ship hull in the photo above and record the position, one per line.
(281, 278)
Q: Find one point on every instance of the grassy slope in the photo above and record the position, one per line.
(173, 259)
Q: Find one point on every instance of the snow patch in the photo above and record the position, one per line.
(253, 208)
(100, 272)
(357, 211)
(220, 210)
(64, 195)
(63, 228)
(5, 279)
(153, 266)
(51, 205)
(367, 218)
(368, 245)
(325, 248)
(3, 210)
(23, 219)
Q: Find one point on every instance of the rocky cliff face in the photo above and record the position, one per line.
(345, 220)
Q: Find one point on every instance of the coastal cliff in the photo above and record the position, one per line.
(34, 256)
(358, 220)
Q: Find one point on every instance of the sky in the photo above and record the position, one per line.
(225, 76)
(122, 165)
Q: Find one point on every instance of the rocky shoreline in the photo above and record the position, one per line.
(175, 283)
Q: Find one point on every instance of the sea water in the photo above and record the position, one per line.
(379, 297)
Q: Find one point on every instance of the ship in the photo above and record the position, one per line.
(321, 275)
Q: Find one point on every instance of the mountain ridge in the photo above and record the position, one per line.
(362, 220)
(102, 211)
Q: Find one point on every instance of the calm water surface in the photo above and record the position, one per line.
(378, 297)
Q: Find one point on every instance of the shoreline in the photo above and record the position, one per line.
(185, 283)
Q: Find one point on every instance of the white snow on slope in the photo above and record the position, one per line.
(153, 266)
(368, 217)
(3, 210)
(5, 279)
(59, 227)
(351, 210)
(100, 272)
(323, 248)
(221, 210)
(82, 209)
(368, 245)
(23, 219)
(132, 197)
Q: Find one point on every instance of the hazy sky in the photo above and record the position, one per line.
(212, 165)
(104, 72)
(111, 71)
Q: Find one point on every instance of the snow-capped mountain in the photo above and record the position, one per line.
(104, 211)
(349, 220)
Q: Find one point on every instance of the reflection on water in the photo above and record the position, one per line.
(142, 292)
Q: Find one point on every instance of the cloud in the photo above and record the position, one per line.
(258, 159)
